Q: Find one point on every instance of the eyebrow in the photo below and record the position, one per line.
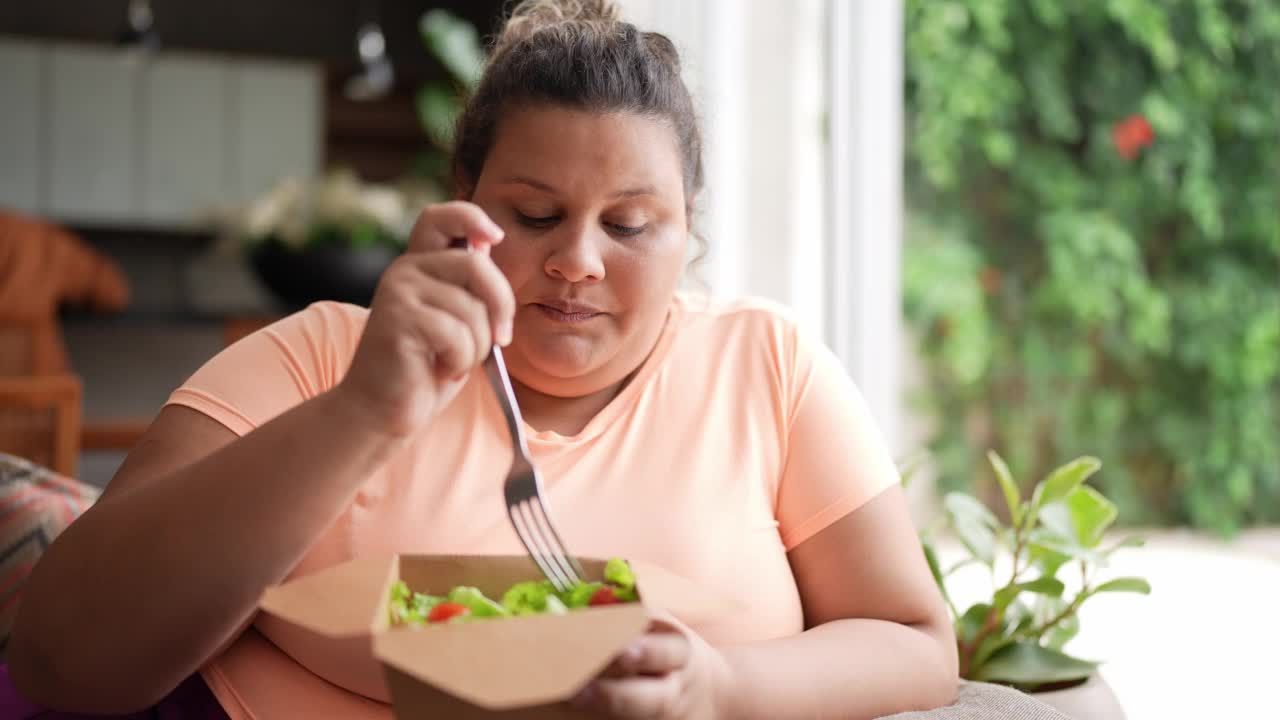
(539, 185)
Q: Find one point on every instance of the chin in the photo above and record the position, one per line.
(562, 358)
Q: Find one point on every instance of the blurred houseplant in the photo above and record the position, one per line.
(332, 237)
(456, 46)
(1016, 634)
(1093, 244)
(328, 239)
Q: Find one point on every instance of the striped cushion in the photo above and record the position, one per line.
(35, 505)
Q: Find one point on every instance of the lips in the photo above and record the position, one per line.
(567, 311)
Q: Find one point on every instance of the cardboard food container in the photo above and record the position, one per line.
(336, 623)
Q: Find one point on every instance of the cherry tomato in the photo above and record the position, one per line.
(445, 612)
(604, 596)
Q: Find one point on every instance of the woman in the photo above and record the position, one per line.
(717, 440)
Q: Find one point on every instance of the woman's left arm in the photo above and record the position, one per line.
(879, 640)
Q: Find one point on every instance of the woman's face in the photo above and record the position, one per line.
(593, 207)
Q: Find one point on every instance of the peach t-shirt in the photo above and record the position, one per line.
(739, 438)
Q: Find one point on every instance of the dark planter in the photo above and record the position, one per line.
(297, 278)
(1091, 700)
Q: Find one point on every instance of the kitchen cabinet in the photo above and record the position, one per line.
(278, 112)
(185, 125)
(92, 151)
(20, 127)
(102, 136)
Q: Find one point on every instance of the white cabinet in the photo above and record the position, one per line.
(185, 169)
(276, 126)
(95, 134)
(92, 149)
(20, 126)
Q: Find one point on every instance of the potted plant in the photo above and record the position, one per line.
(327, 238)
(1016, 635)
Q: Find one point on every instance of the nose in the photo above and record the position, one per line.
(576, 255)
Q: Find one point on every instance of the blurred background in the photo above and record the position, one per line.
(1043, 228)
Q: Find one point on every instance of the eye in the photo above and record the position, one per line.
(536, 222)
(627, 230)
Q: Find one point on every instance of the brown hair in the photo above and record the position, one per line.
(578, 54)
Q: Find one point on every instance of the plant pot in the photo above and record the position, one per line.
(1091, 700)
(297, 278)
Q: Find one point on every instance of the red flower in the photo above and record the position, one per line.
(1131, 135)
(991, 280)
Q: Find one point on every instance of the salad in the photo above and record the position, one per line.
(465, 603)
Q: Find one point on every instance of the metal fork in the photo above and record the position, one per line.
(523, 490)
(523, 486)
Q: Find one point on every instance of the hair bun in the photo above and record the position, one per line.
(532, 16)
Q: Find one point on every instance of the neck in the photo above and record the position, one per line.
(563, 415)
(569, 415)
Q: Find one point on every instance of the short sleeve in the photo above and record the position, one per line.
(276, 368)
(836, 458)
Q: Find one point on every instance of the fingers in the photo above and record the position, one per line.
(468, 310)
(440, 223)
(450, 339)
(656, 653)
(478, 276)
(642, 697)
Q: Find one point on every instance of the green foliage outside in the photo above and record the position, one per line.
(455, 44)
(1076, 290)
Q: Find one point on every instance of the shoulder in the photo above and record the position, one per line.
(757, 341)
(742, 324)
(761, 341)
(314, 344)
(750, 314)
(328, 314)
(324, 324)
(268, 371)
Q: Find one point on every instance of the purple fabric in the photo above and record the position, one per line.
(191, 700)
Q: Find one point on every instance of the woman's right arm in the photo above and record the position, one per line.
(167, 568)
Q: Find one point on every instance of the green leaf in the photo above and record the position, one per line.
(1133, 541)
(618, 572)
(959, 565)
(1125, 584)
(1056, 517)
(438, 110)
(1019, 616)
(1091, 515)
(1012, 498)
(579, 595)
(527, 598)
(1045, 541)
(1063, 480)
(476, 602)
(1040, 586)
(974, 524)
(969, 623)
(1048, 558)
(989, 646)
(1027, 664)
(931, 556)
(1064, 632)
(455, 43)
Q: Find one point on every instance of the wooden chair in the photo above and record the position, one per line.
(28, 347)
(42, 267)
(40, 419)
